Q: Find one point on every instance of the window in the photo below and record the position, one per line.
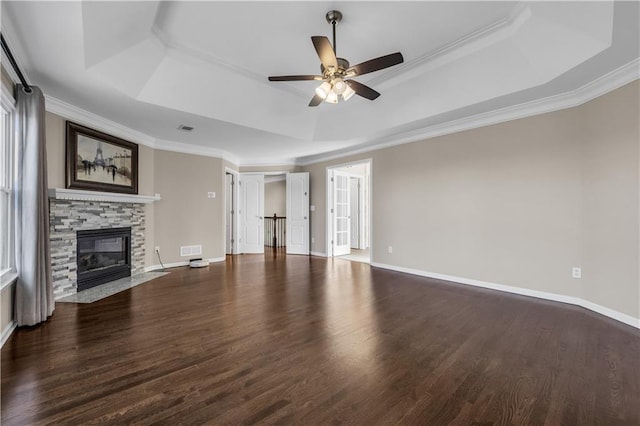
(7, 159)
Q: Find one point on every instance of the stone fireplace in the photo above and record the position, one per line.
(75, 214)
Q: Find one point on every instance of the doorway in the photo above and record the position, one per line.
(349, 211)
(275, 212)
(257, 227)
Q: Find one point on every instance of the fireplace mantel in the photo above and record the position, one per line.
(77, 194)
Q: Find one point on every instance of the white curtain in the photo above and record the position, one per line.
(34, 290)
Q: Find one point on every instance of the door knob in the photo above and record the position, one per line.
(260, 217)
(305, 218)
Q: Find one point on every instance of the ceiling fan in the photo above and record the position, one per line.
(336, 71)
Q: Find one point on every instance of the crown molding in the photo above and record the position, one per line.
(608, 82)
(173, 48)
(483, 36)
(489, 34)
(602, 85)
(185, 148)
(84, 117)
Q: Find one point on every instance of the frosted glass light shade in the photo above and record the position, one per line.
(323, 90)
(348, 92)
(332, 98)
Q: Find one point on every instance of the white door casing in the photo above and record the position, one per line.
(297, 213)
(251, 211)
(341, 213)
(229, 222)
(354, 191)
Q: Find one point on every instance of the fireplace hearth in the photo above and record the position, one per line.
(103, 255)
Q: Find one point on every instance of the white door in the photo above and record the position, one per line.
(354, 190)
(341, 213)
(297, 213)
(251, 213)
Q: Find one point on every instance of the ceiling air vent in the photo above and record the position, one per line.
(185, 128)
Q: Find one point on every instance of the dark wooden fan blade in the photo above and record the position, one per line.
(325, 51)
(295, 77)
(315, 101)
(362, 90)
(376, 64)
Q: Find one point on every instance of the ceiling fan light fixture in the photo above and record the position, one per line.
(337, 84)
(332, 97)
(323, 90)
(348, 93)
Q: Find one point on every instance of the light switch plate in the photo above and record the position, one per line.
(576, 272)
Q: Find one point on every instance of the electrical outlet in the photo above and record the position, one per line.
(157, 249)
(390, 249)
(576, 272)
(313, 240)
(211, 194)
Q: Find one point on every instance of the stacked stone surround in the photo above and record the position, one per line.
(66, 217)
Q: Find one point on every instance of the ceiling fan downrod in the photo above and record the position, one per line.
(333, 17)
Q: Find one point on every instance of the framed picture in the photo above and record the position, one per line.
(100, 162)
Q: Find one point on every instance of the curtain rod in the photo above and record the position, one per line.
(14, 64)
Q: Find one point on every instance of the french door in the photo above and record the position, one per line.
(341, 213)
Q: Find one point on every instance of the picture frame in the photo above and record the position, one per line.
(96, 161)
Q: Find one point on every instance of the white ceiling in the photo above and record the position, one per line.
(152, 66)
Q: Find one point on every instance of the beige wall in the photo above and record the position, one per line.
(275, 198)
(185, 216)
(518, 203)
(55, 134)
(146, 186)
(610, 204)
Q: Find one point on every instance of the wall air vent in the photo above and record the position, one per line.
(190, 250)
(185, 128)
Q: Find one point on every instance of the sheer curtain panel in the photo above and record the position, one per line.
(34, 290)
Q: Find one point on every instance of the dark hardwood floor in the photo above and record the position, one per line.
(297, 340)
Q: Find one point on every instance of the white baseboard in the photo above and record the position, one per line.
(6, 333)
(318, 253)
(618, 316)
(176, 264)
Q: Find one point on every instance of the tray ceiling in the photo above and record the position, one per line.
(152, 66)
